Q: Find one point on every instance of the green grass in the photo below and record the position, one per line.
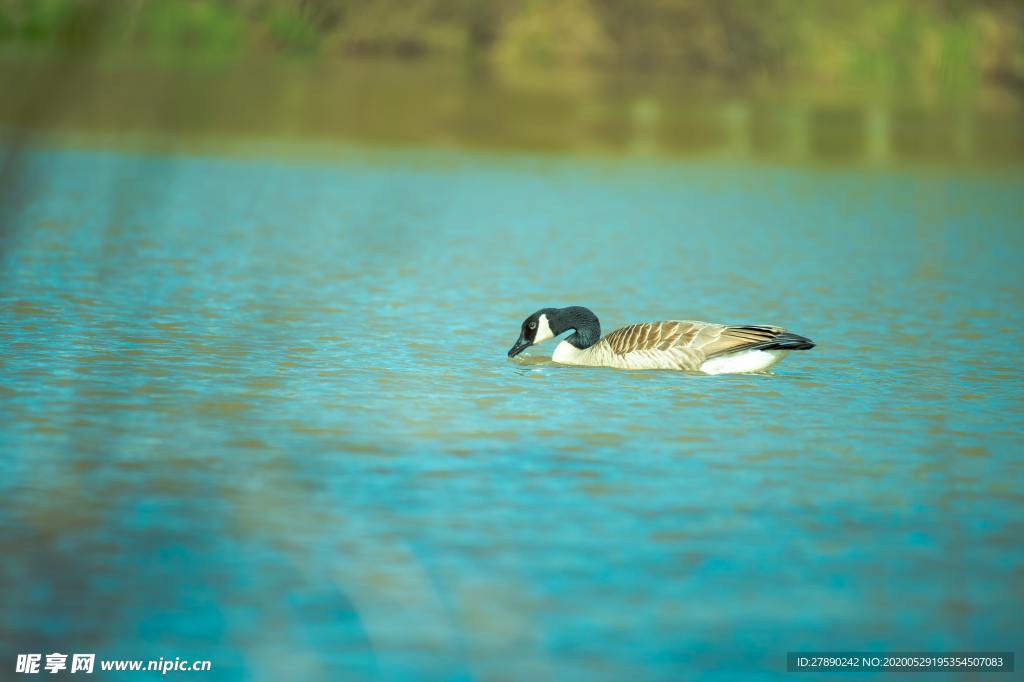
(950, 45)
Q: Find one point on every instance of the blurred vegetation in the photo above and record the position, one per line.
(870, 81)
(949, 43)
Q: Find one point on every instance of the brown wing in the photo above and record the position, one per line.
(731, 339)
(706, 338)
(652, 336)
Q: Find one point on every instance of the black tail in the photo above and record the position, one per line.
(787, 341)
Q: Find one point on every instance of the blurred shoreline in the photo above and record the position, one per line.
(866, 84)
(952, 46)
(384, 103)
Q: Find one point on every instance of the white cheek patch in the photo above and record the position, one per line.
(543, 330)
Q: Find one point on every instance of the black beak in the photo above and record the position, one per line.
(520, 346)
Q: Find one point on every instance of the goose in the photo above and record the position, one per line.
(686, 345)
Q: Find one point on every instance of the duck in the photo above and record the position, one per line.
(684, 345)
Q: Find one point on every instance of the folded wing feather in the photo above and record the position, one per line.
(706, 338)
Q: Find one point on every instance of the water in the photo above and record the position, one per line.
(258, 410)
(639, 113)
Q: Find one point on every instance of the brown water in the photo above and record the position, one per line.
(396, 104)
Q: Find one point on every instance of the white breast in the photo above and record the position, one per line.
(567, 354)
(599, 356)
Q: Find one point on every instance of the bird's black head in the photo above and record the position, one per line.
(548, 323)
(536, 329)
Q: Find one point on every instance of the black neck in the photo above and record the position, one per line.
(585, 323)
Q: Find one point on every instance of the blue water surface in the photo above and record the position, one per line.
(257, 410)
